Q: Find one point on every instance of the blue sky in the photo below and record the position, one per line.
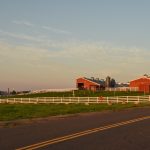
(50, 43)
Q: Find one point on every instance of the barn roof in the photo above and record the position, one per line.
(142, 77)
(98, 82)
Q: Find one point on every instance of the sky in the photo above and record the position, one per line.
(49, 43)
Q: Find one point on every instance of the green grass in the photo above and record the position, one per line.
(80, 93)
(107, 93)
(22, 111)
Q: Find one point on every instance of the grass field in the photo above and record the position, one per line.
(22, 111)
(80, 93)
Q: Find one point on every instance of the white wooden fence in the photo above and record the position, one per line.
(86, 100)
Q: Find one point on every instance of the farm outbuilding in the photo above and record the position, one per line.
(143, 84)
(90, 84)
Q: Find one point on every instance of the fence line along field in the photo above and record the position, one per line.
(86, 100)
(37, 107)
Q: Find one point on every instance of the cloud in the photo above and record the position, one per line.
(88, 52)
(51, 29)
(30, 66)
(93, 58)
(69, 59)
(25, 23)
(100, 52)
(22, 36)
(58, 31)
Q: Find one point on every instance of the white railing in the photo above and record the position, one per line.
(122, 89)
(54, 90)
(86, 100)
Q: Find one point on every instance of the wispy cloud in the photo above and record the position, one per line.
(42, 67)
(83, 57)
(92, 58)
(92, 52)
(25, 23)
(22, 36)
(59, 31)
(29, 67)
(49, 28)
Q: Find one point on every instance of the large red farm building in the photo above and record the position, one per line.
(90, 84)
(143, 84)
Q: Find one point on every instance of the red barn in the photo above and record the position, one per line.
(143, 84)
(89, 84)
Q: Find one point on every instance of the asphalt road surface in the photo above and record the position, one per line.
(120, 130)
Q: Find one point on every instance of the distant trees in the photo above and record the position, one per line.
(112, 83)
(13, 92)
(146, 75)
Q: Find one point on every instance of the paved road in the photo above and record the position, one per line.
(133, 136)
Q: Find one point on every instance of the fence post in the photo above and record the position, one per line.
(78, 100)
(61, 99)
(97, 99)
(149, 98)
(127, 99)
(117, 100)
(138, 99)
(88, 100)
(21, 100)
(107, 100)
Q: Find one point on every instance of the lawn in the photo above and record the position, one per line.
(23, 111)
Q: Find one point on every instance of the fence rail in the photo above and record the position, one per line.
(86, 100)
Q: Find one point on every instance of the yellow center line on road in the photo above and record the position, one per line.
(79, 134)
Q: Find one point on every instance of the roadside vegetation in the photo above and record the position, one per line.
(23, 111)
(80, 93)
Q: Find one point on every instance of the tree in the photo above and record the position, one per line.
(13, 92)
(112, 83)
